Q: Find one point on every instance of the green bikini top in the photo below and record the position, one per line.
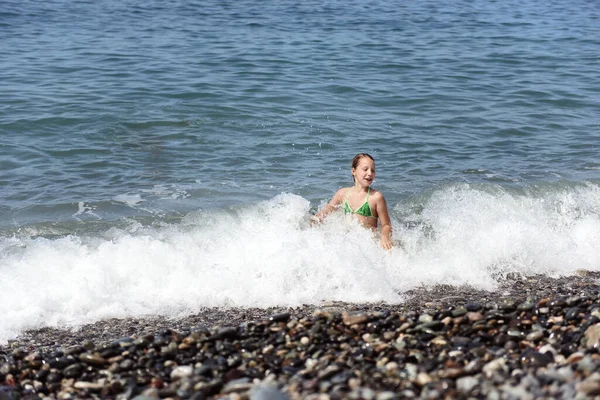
(364, 210)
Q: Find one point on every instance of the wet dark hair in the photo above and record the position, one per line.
(357, 159)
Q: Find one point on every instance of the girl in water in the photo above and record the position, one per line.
(368, 205)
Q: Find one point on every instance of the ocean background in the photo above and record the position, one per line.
(161, 157)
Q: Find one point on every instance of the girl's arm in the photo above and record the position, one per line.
(332, 205)
(385, 222)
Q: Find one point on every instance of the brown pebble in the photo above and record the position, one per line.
(92, 359)
(589, 387)
(592, 335)
(575, 357)
(354, 318)
(474, 316)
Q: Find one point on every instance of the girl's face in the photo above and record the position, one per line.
(364, 173)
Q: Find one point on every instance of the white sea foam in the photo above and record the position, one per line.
(267, 254)
(474, 236)
(85, 209)
(129, 199)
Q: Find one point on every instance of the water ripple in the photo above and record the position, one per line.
(105, 98)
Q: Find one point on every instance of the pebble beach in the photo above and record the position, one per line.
(160, 162)
(533, 337)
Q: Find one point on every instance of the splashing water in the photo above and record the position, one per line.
(268, 254)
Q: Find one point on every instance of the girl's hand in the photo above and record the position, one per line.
(386, 243)
(314, 220)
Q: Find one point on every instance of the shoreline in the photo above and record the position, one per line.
(533, 336)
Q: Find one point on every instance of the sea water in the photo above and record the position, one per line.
(157, 158)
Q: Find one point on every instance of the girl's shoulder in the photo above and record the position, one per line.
(376, 194)
(341, 193)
